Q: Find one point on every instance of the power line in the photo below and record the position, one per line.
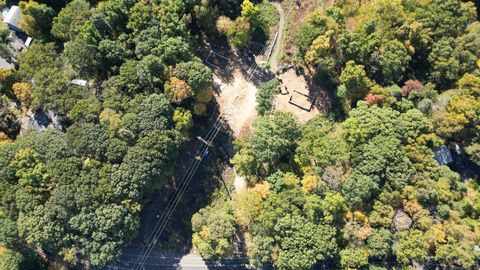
(178, 198)
(170, 211)
(171, 202)
(153, 238)
(161, 224)
(176, 190)
(189, 167)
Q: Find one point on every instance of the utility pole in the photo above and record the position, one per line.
(209, 144)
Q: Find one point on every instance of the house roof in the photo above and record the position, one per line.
(13, 16)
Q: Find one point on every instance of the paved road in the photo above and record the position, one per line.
(169, 261)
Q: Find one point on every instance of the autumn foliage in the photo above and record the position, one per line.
(374, 99)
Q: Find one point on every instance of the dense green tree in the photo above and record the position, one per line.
(173, 50)
(52, 90)
(366, 122)
(416, 123)
(83, 57)
(8, 233)
(411, 246)
(274, 138)
(318, 146)
(45, 225)
(359, 46)
(445, 62)
(383, 160)
(36, 19)
(145, 164)
(66, 24)
(142, 76)
(86, 110)
(88, 140)
(148, 113)
(141, 17)
(259, 252)
(446, 18)
(302, 243)
(213, 228)
(114, 52)
(265, 95)
(354, 84)
(354, 258)
(391, 60)
(111, 227)
(245, 161)
(359, 189)
(195, 74)
(379, 243)
(107, 20)
(38, 56)
(117, 149)
(11, 260)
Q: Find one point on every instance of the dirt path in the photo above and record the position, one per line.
(237, 103)
(279, 44)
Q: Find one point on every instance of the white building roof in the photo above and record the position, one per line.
(79, 82)
(28, 42)
(13, 16)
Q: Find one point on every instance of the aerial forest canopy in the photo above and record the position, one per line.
(356, 188)
(359, 188)
(77, 193)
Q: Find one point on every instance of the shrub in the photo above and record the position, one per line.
(265, 95)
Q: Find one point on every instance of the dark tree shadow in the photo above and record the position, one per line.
(207, 178)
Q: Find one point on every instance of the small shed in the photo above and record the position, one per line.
(79, 82)
(12, 18)
(443, 156)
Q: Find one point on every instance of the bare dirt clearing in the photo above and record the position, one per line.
(236, 100)
(296, 86)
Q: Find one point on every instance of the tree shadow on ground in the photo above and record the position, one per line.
(207, 178)
(323, 87)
